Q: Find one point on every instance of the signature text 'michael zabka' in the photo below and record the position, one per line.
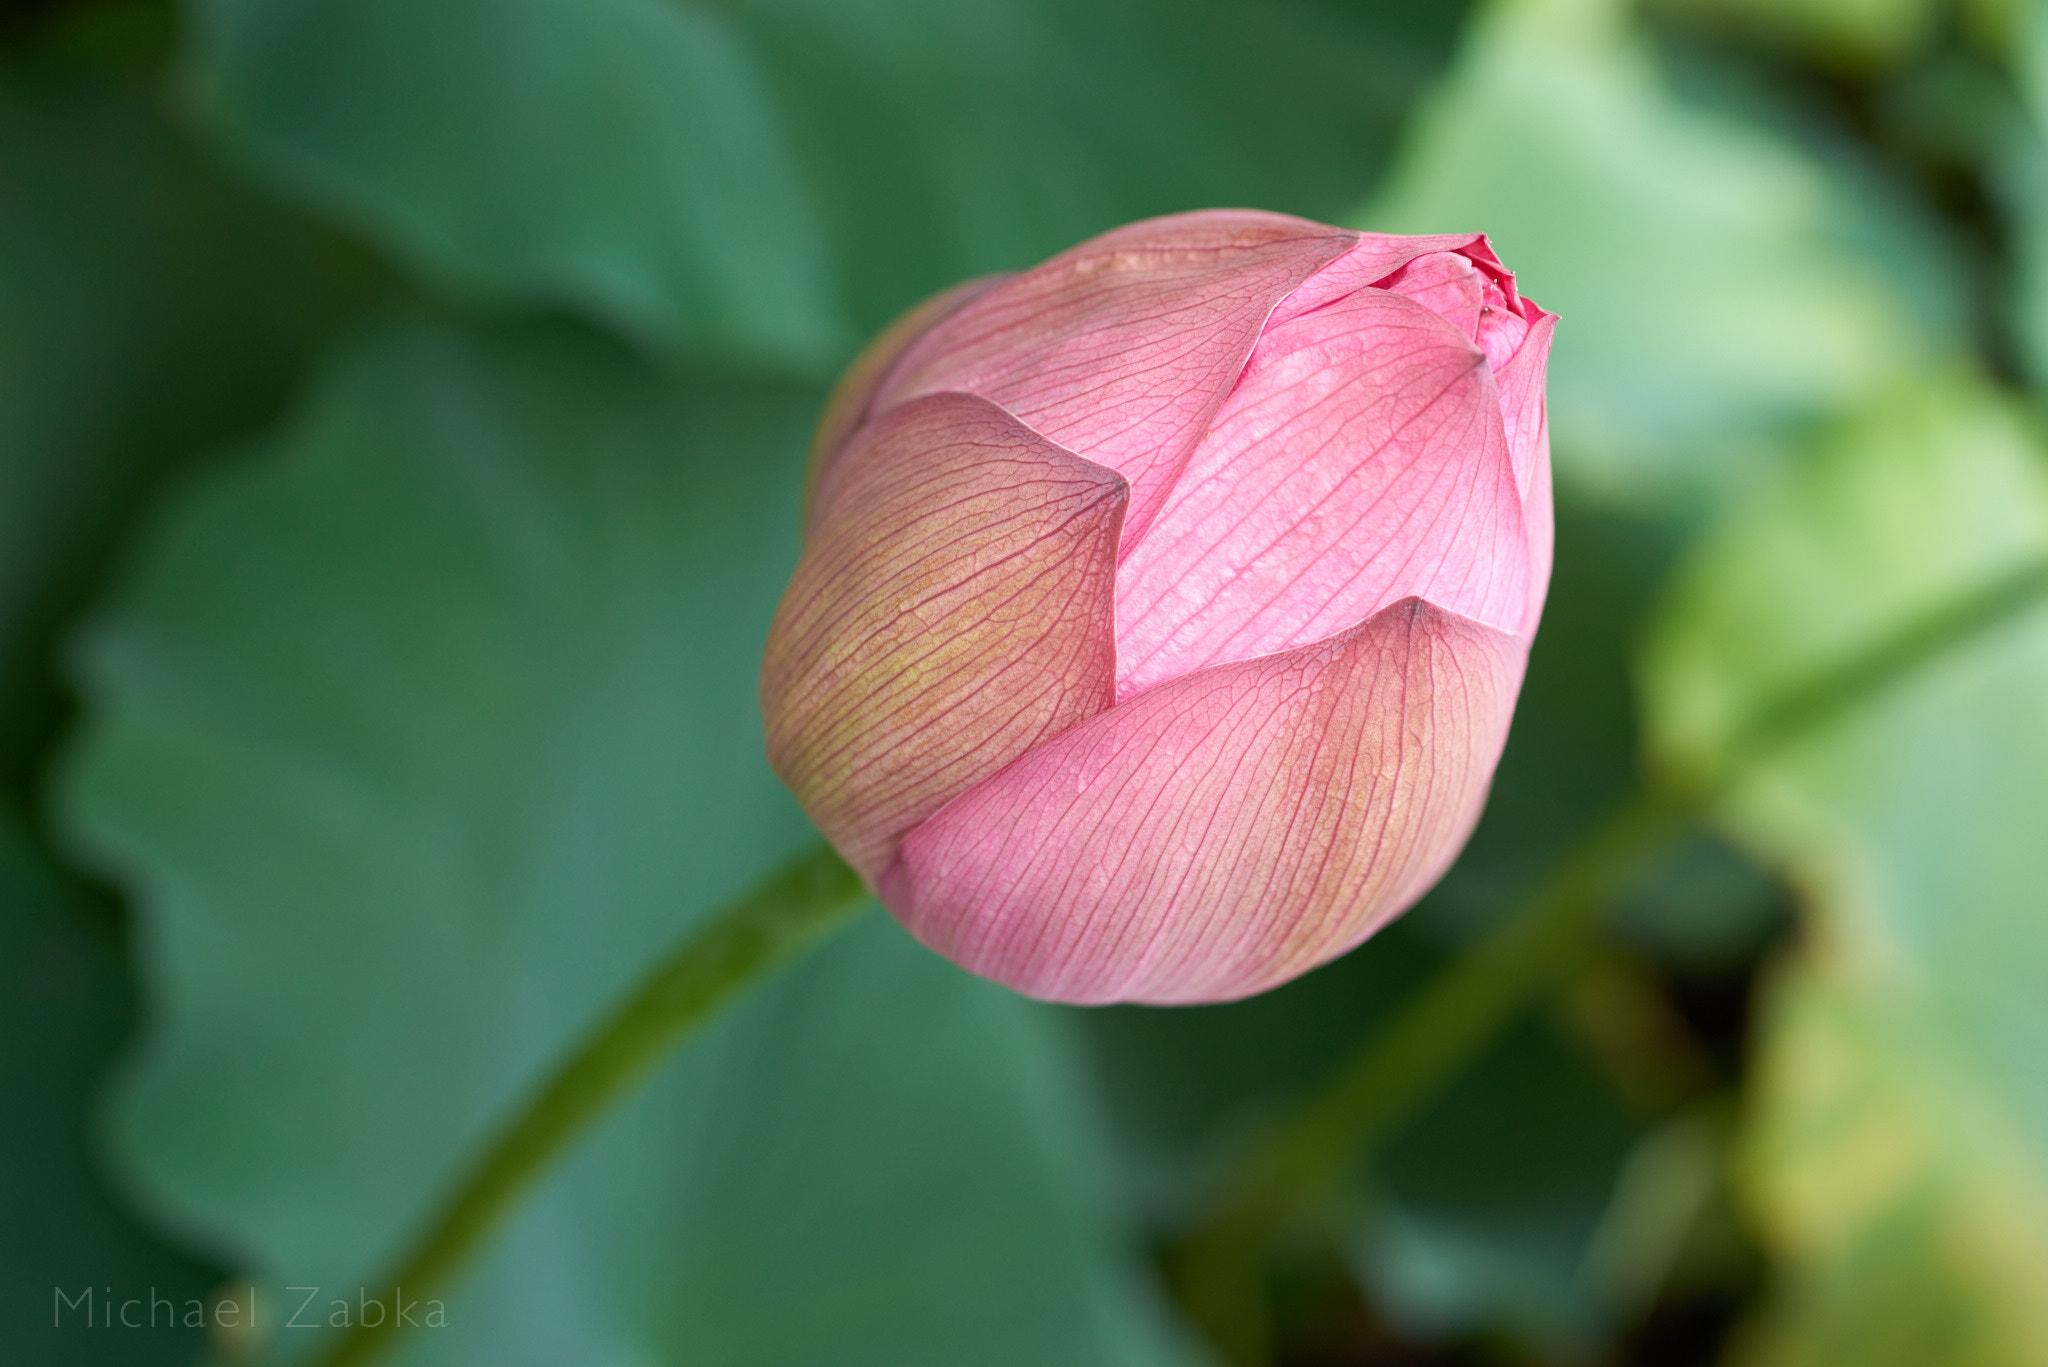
(100, 1308)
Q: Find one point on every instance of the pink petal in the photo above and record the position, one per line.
(1225, 831)
(1448, 285)
(1519, 376)
(1528, 427)
(1540, 520)
(846, 408)
(1121, 349)
(1361, 460)
(1377, 258)
(953, 609)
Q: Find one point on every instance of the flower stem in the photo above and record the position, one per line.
(1828, 693)
(1217, 1267)
(734, 950)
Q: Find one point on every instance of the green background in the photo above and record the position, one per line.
(403, 407)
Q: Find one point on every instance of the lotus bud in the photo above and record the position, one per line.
(1163, 608)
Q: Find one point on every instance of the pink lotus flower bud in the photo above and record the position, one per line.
(1163, 607)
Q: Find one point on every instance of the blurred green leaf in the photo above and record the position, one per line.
(1488, 1205)
(946, 140)
(417, 735)
(1707, 272)
(772, 178)
(1478, 1218)
(2023, 176)
(147, 312)
(1185, 1088)
(1897, 1154)
(1854, 34)
(1903, 507)
(1903, 1194)
(620, 156)
(64, 1010)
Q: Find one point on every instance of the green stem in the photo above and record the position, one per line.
(726, 956)
(1830, 692)
(1300, 1162)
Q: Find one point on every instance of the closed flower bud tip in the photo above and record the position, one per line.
(1163, 608)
